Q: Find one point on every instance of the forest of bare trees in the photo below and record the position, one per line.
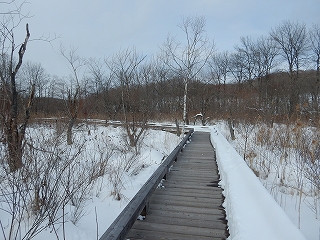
(273, 78)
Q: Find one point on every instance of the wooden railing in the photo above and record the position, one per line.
(139, 203)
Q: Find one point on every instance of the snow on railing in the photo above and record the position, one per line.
(251, 211)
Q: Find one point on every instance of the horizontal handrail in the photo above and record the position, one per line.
(123, 223)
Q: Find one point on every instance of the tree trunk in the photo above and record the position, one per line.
(203, 121)
(178, 132)
(317, 88)
(69, 131)
(15, 155)
(231, 129)
(185, 103)
(12, 132)
(294, 95)
(15, 134)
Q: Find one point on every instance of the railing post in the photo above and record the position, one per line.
(145, 210)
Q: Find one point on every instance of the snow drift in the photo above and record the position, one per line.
(252, 213)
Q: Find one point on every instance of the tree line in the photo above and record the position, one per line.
(272, 78)
(276, 75)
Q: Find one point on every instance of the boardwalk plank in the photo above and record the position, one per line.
(184, 215)
(166, 229)
(188, 202)
(190, 186)
(161, 207)
(200, 193)
(172, 195)
(149, 235)
(186, 220)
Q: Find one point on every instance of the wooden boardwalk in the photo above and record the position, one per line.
(188, 206)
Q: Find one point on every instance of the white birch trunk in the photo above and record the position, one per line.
(185, 106)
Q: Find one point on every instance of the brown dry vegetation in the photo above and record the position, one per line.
(164, 102)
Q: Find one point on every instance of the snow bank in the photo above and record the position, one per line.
(251, 211)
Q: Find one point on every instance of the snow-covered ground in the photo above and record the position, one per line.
(250, 207)
(126, 172)
(251, 211)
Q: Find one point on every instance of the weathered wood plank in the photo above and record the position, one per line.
(149, 235)
(196, 170)
(189, 187)
(198, 164)
(182, 200)
(186, 220)
(186, 192)
(161, 207)
(166, 229)
(192, 153)
(192, 173)
(177, 193)
(185, 214)
(200, 169)
(187, 178)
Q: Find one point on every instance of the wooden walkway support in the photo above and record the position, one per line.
(189, 204)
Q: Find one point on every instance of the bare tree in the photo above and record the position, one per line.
(101, 86)
(255, 60)
(247, 53)
(202, 94)
(220, 64)
(146, 77)
(74, 91)
(166, 91)
(34, 73)
(238, 68)
(125, 68)
(16, 10)
(187, 60)
(292, 41)
(314, 36)
(11, 116)
(265, 57)
(266, 52)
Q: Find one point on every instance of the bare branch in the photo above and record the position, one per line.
(22, 50)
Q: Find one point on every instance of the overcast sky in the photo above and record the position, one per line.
(99, 28)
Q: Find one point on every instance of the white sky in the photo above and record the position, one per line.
(99, 28)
